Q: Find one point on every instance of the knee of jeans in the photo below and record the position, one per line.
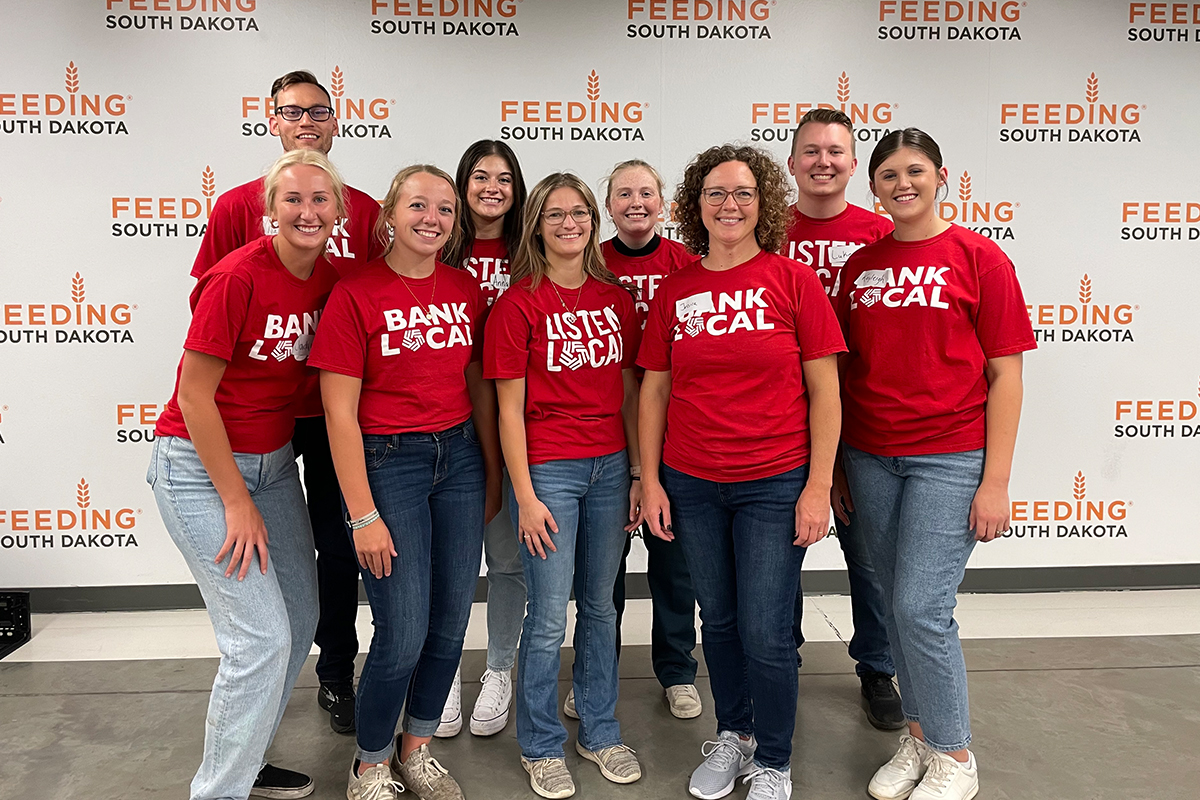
(765, 636)
(917, 612)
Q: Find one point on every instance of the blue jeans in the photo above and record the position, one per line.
(869, 644)
(913, 512)
(738, 540)
(506, 587)
(429, 490)
(589, 499)
(264, 624)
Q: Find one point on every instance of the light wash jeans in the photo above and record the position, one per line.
(264, 624)
(912, 513)
(506, 586)
(589, 499)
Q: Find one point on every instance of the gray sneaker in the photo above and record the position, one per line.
(725, 760)
(374, 784)
(424, 776)
(769, 784)
(549, 777)
(617, 763)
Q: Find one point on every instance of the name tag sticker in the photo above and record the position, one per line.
(696, 304)
(838, 253)
(872, 277)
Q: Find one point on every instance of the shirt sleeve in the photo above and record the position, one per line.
(1002, 321)
(507, 339)
(220, 308)
(655, 351)
(222, 236)
(341, 342)
(375, 248)
(817, 329)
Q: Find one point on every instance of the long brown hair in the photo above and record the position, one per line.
(461, 251)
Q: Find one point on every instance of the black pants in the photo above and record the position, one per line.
(673, 629)
(337, 567)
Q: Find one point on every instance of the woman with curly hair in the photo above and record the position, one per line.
(739, 422)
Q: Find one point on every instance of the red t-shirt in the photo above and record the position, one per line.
(646, 272)
(825, 244)
(238, 219)
(260, 318)
(488, 262)
(409, 353)
(922, 319)
(571, 359)
(734, 342)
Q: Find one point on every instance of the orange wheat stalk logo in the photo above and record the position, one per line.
(208, 184)
(337, 84)
(1080, 485)
(77, 288)
(72, 78)
(593, 86)
(1085, 289)
(1093, 88)
(843, 88)
(964, 187)
(83, 496)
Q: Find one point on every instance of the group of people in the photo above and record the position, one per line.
(469, 368)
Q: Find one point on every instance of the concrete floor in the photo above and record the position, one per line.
(1070, 719)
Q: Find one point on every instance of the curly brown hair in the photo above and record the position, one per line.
(771, 229)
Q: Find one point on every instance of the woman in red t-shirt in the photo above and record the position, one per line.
(741, 375)
(490, 184)
(560, 345)
(936, 324)
(399, 351)
(225, 478)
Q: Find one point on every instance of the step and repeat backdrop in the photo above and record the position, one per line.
(1069, 128)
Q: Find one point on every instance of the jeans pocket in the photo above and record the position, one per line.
(152, 469)
(469, 432)
(376, 452)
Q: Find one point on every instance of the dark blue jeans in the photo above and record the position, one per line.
(869, 645)
(429, 489)
(737, 538)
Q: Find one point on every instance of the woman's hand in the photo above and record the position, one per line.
(635, 506)
(839, 495)
(812, 516)
(375, 550)
(656, 510)
(534, 520)
(494, 493)
(989, 511)
(245, 533)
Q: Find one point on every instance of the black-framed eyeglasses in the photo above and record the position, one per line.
(296, 113)
(558, 216)
(742, 195)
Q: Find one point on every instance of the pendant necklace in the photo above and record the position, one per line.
(569, 315)
(414, 294)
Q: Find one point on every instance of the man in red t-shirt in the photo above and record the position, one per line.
(823, 232)
(304, 118)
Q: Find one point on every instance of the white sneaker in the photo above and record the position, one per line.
(684, 701)
(569, 704)
(947, 779)
(452, 711)
(491, 708)
(724, 760)
(769, 784)
(374, 784)
(896, 779)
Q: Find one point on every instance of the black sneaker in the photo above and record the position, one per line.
(338, 700)
(883, 702)
(281, 784)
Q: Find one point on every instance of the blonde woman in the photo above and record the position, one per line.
(560, 344)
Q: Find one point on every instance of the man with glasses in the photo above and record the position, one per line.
(304, 118)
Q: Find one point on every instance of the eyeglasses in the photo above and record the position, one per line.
(742, 195)
(558, 216)
(296, 113)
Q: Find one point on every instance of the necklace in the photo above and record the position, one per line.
(414, 294)
(569, 316)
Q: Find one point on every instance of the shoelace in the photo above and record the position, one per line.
(723, 754)
(907, 754)
(880, 688)
(941, 770)
(773, 779)
(492, 691)
(377, 789)
(428, 768)
(544, 765)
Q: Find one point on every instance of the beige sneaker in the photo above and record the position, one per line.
(424, 776)
(569, 705)
(374, 784)
(684, 701)
(549, 777)
(617, 763)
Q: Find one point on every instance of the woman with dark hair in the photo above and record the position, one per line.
(560, 344)
(936, 325)
(490, 184)
(740, 412)
(413, 434)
